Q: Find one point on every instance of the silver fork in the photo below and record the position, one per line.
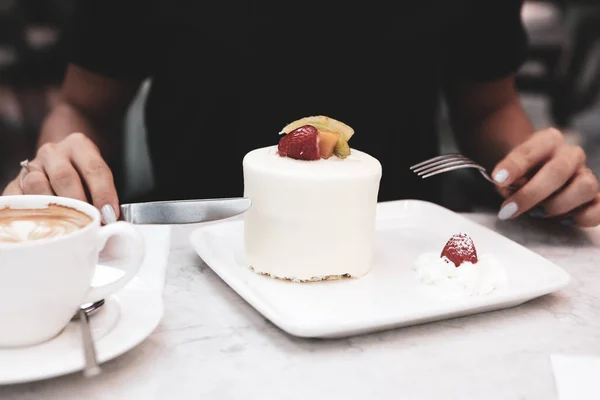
(449, 162)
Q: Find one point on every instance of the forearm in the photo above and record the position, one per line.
(91, 104)
(65, 119)
(487, 118)
(489, 137)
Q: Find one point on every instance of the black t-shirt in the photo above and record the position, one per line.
(227, 76)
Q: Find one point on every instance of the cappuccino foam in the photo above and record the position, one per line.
(21, 225)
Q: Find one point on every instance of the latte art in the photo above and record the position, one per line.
(21, 225)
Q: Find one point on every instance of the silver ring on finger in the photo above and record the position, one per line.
(24, 171)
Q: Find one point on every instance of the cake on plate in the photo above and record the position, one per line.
(313, 204)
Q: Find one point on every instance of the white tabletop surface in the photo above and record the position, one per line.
(212, 345)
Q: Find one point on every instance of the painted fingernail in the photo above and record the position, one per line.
(508, 210)
(108, 213)
(537, 212)
(569, 221)
(501, 176)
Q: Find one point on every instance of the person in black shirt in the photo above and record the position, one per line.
(226, 77)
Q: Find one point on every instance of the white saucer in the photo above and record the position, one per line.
(390, 295)
(125, 320)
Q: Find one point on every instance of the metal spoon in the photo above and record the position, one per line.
(91, 363)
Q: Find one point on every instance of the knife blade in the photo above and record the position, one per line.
(184, 211)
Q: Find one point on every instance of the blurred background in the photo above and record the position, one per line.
(559, 86)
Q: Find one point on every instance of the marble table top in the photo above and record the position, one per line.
(212, 345)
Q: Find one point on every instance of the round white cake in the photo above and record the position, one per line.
(310, 220)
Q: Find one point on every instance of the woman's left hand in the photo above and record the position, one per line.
(557, 182)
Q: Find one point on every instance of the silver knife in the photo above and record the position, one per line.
(184, 211)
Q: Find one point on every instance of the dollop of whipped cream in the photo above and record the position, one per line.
(469, 279)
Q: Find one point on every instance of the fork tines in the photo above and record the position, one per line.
(445, 163)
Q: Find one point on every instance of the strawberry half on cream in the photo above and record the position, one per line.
(460, 249)
(459, 270)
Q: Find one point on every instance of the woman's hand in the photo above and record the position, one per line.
(68, 168)
(553, 179)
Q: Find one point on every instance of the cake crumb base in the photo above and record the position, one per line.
(313, 279)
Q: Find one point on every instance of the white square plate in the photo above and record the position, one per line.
(390, 295)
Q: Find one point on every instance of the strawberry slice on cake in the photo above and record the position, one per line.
(315, 138)
(301, 144)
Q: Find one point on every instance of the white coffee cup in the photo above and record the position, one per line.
(44, 282)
